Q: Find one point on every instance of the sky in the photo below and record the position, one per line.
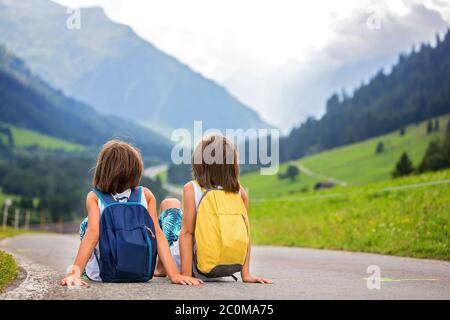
(283, 58)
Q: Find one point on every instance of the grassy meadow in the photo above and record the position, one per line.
(406, 222)
(27, 138)
(8, 269)
(358, 163)
(24, 138)
(355, 164)
(370, 213)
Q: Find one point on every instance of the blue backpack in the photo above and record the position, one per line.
(127, 241)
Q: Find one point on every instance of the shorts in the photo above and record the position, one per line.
(170, 223)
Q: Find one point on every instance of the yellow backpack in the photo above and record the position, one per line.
(221, 234)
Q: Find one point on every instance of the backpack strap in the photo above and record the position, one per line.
(105, 198)
(198, 184)
(136, 195)
(206, 189)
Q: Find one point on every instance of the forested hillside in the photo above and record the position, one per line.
(26, 101)
(417, 88)
(48, 143)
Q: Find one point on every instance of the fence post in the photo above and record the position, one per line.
(7, 204)
(27, 220)
(16, 218)
(42, 218)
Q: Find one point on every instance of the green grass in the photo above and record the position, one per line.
(8, 269)
(259, 186)
(163, 176)
(355, 164)
(11, 232)
(26, 138)
(358, 163)
(408, 222)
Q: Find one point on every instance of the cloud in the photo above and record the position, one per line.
(355, 53)
(283, 58)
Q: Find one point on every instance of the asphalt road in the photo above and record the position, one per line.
(298, 274)
(151, 172)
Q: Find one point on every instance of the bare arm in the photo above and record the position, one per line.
(163, 246)
(88, 243)
(187, 230)
(245, 273)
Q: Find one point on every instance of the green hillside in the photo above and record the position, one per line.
(358, 163)
(406, 221)
(417, 88)
(259, 186)
(26, 138)
(28, 102)
(354, 164)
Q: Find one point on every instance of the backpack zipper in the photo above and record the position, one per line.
(151, 232)
(150, 251)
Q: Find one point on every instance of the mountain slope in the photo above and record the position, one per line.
(417, 88)
(110, 67)
(354, 164)
(23, 138)
(26, 101)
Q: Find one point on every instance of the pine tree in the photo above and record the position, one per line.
(403, 167)
(436, 124)
(437, 156)
(292, 172)
(380, 147)
(429, 127)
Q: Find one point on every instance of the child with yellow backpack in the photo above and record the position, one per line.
(214, 240)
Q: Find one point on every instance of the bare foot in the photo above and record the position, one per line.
(160, 272)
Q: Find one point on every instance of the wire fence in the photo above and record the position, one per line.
(28, 219)
(335, 195)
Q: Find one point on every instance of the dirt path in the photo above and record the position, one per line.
(152, 172)
(313, 174)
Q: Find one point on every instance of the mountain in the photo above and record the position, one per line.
(417, 88)
(108, 66)
(27, 101)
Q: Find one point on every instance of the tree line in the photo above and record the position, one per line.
(436, 157)
(53, 185)
(417, 88)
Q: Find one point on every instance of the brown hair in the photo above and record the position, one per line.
(211, 170)
(119, 167)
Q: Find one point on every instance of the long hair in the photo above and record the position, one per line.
(119, 167)
(215, 163)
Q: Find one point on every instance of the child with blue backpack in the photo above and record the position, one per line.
(121, 236)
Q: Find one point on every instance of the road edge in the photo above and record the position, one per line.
(33, 280)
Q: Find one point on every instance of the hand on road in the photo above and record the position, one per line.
(184, 280)
(73, 280)
(253, 279)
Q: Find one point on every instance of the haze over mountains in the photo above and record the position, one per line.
(28, 102)
(108, 66)
(285, 59)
